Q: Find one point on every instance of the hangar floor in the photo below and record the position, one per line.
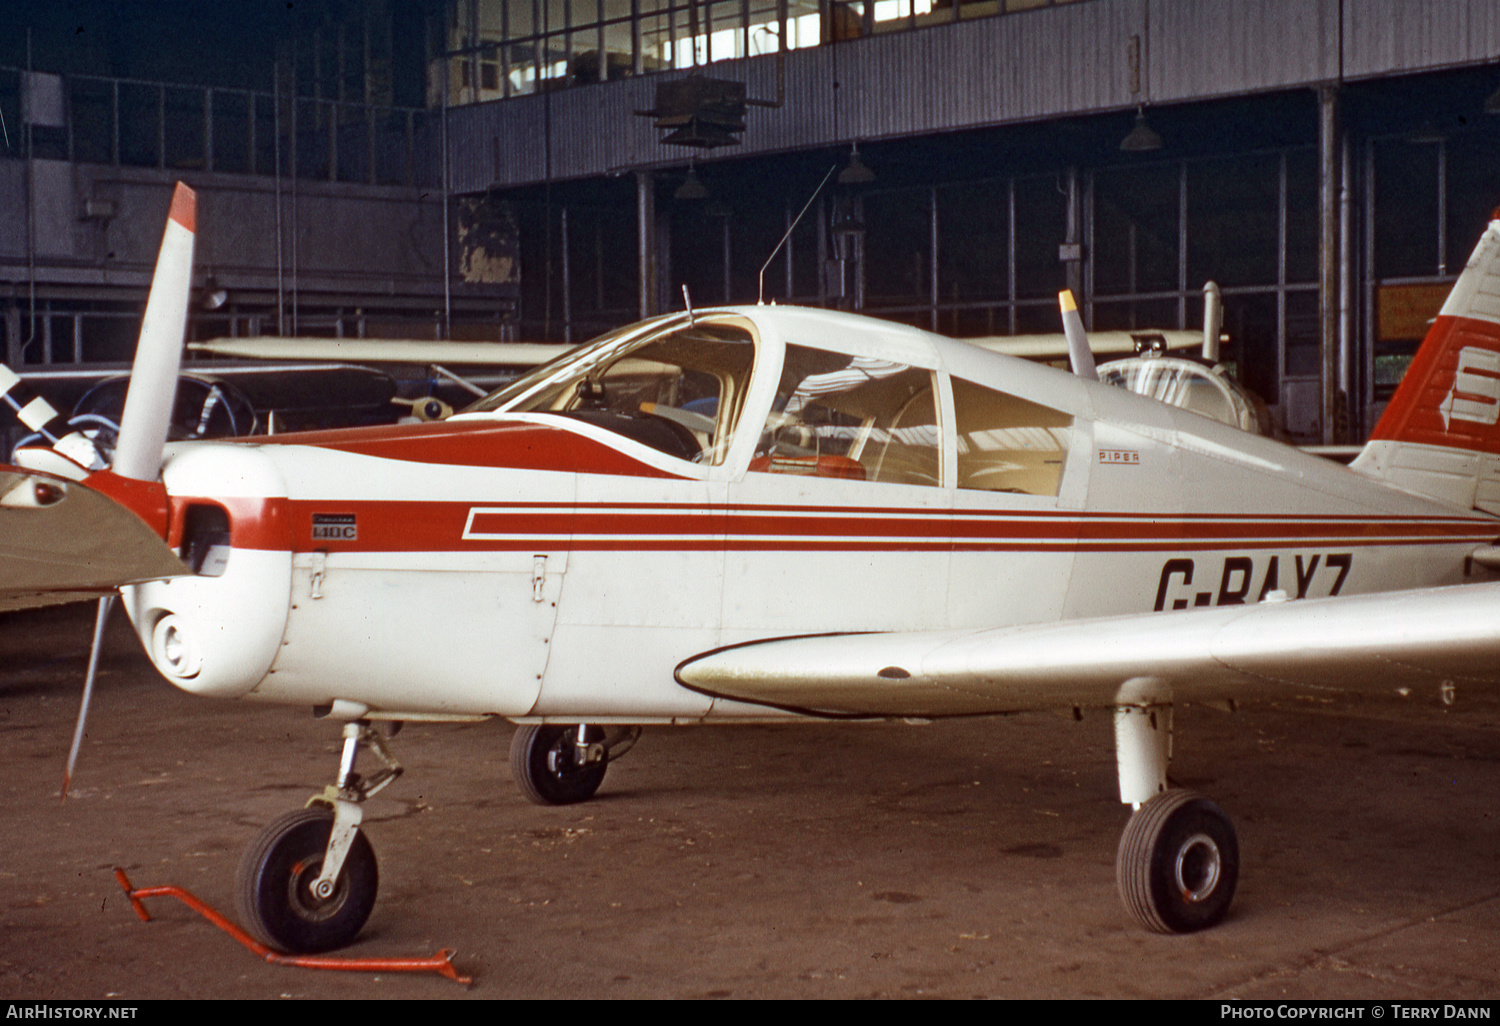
(959, 859)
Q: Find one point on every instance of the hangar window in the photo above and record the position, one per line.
(501, 48)
(1009, 444)
(851, 417)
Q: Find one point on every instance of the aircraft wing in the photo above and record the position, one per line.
(1358, 644)
(1101, 343)
(284, 387)
(61, 541)
(371, 350)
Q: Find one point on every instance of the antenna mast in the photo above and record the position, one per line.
(760, 280)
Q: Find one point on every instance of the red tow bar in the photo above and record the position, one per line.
(441, 963)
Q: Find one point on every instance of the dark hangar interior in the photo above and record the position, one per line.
(545, 170)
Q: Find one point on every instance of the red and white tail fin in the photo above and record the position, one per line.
(1440, 435)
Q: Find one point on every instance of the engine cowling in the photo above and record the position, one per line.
(217, 631)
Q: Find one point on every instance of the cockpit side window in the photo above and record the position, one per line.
(851, 417)
(678, 391)
(1009, 444)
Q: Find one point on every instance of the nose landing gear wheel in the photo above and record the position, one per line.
(1178, 863)
(274, 886)
(544, 761)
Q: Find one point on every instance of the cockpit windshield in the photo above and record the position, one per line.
(676, 386)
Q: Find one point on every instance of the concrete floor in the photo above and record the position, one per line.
(961, 859)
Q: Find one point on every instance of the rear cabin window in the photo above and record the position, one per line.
(1008, 444)
(851, 417)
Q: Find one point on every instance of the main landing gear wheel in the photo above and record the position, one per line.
(1178, 863)
(274, 888)
(544, 761)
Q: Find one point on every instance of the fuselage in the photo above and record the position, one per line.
(747, 473)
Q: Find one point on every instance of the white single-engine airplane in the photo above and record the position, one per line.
(770, 513)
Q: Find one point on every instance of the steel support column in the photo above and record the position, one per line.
(646, 248)
(567, 277)
(1074, 240)
(1328, 259)
(13, 335)
(1347, 418)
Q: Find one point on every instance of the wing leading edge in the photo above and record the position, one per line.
(61, 542)
(1358, 644)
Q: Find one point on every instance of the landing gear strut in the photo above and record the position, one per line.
(560, 764)
(308, 881)
(1179, 860)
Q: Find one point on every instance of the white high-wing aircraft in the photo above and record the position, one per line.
(770, 513)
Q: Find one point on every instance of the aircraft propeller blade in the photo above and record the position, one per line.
(100, 618)
(158, 356)
(1079, 353)
(46, 425)
(34, 412)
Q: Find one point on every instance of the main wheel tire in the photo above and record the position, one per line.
(274, 886)
(544, 761)
(1178, 863)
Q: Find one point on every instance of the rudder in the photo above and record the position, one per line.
(1440, 435)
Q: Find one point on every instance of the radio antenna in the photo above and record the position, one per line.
(760, 297)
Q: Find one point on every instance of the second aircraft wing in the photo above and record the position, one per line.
(61, 541)
(1357, 644)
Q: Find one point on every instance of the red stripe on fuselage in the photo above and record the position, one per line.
(479, 526)
(253, 523)
(515, 445)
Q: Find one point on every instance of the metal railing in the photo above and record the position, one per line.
(133, 123)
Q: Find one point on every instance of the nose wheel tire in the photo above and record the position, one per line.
(544, 762)
(1178, 863)
(277, 872)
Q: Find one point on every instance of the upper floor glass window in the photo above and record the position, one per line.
(501, 48)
